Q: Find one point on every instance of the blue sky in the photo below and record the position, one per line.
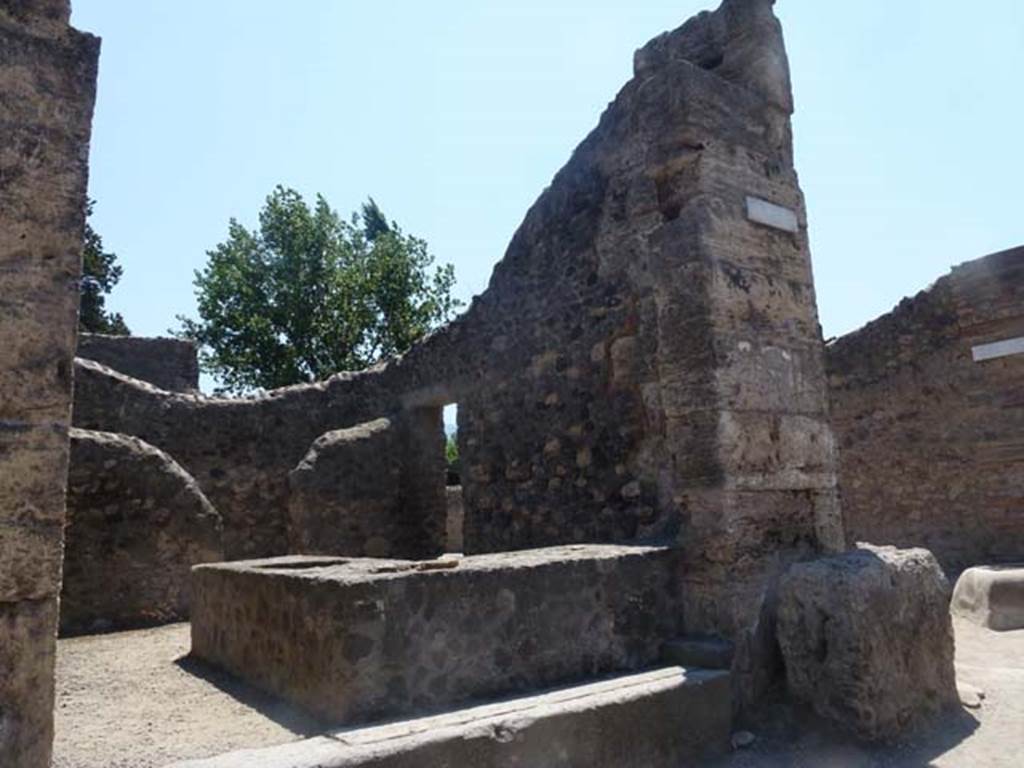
(454, 115)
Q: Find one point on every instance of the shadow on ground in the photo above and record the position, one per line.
(792, 736)
(271, 707)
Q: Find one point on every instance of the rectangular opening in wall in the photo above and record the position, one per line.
(453, 480)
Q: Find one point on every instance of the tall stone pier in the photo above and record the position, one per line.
(47, 89)
(748, 450)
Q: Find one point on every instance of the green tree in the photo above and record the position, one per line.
(307, 294)
(100, 273)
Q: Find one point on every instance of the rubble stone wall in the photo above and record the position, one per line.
(136, 524)
(170, 364)
(932, 441)
(240, 451)
(645, 364)
(47, 82)
(358, 492)
(355, 639)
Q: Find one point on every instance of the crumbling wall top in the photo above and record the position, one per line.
(42, 17)
(741, 42)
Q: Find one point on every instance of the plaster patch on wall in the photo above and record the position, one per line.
(771, 215)
(998, 349)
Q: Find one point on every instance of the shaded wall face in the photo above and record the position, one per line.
(375, 490)
(136, 524)
(931, 448)
(239, 451)
(171, 364)
(555, 443)
(47, 76)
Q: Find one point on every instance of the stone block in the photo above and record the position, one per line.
(31, 556)
(776, 451)
(663, 718)
(363, 639)
(27, 645)
(33, 471)
(867, 639)
(992, 596)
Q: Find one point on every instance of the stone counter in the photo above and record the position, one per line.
(362, 639)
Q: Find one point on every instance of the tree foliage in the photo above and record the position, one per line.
(100, 273)
(307, 294)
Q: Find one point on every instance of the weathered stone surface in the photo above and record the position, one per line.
(136, 523)
(664, 718)
(373, 490)
(170, 364)
(867, 638)
(27, 649)
(47, 82)
(454, 519)
(362, 639)
(930, 440)
(991, 595)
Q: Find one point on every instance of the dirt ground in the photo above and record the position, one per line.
(129, 700)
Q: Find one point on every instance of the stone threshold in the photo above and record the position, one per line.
(655, 718)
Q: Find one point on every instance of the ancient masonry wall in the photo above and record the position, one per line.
(170, 364)
(47, 78)
(372, 490)
(928, 408)
(645, 365)
(136, 524)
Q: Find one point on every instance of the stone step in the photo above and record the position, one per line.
(356, 640)
(702, 652)
(662, 718)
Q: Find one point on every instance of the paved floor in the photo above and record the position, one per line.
(127, 700)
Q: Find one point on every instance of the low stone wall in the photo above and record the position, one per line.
(136, 523)
(931, 449)
(358, 491)
(239, 451)
(171, 364)
(356, 640)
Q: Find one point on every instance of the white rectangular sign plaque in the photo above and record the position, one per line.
(998, 349)
(772, 215)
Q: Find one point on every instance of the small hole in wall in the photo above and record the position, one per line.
(712, 61)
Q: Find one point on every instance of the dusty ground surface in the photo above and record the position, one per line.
(990, 736)
(126, 700)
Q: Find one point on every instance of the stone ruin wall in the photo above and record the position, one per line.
(47, 82)
(645, 364)
(171, 364)
(368, 491)
(932, 441)
(136, 524)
